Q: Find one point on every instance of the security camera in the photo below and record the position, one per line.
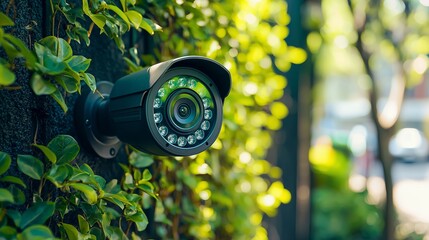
(173, 108)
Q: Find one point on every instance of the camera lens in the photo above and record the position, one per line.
(184, 110)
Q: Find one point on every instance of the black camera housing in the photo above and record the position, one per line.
(173, 108)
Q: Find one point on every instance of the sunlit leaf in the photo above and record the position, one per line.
(83, 224)
(23, 50)
(47, 152)
(7, 77)
(135, 18)
(41, 86)
(120, 13)
(89, 193)
(71, 231)
(5, 20)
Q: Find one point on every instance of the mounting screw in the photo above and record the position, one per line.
(112, 151)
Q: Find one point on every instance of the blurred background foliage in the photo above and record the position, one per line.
(337, 211)
(366, 55)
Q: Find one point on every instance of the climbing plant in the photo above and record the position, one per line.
(222, 193)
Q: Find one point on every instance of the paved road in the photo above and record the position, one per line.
(411, 192)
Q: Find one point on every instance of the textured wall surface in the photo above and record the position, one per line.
(22, 113)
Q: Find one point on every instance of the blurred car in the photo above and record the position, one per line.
(410, 145)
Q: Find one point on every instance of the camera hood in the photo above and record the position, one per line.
(220, 75)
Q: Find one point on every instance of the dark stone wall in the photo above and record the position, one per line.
(22, 113)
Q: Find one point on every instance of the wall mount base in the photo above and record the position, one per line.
(86, 121)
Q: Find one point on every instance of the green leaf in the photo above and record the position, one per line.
(36, 232)
(146, 175)
(85, 7)
(7, 77)
(71, 231)
(58, 97)
(41, 86)
(140, 160)
(30, 166)
(61, 206)
(140, 220)
(65, 148)
(89, 80)
(8, 232)
(48, 153)
(78, 63)
(48, 62)
(18, 194)
(15, 216)
(86, 168)
(145, 24)
(58, 174)
(70, 84)
(99, 20)
(83, 224)
(129, 181)
(135, 18)
(13, 179)
(58, 47)
(89, 192)
(5, 20)
(37, 214)
(4, 162)
(5, 196)
(23, 50)
(120, 13)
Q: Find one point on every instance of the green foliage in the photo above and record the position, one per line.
(344, 215)
(14, 48)
(99, 206)
(338, 212)
(222, 193)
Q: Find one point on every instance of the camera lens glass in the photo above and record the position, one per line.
(184, 111)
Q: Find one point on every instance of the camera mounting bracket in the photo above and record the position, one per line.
(89, 121)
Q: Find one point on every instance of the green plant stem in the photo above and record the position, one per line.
(52, 18)
(11, 88)
(128, 228)
(41, 186)
(91, 27)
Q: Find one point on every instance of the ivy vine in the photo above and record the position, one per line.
(222, 193)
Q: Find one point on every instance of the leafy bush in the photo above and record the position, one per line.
(222, 193)
(337, 211)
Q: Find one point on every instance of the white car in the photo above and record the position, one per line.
(409, 144)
